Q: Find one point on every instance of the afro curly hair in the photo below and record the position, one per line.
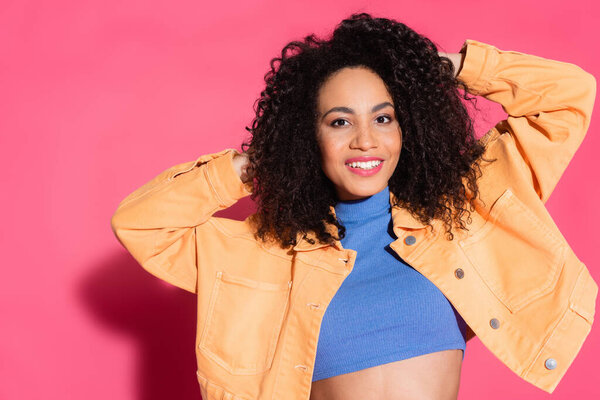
(439, 151)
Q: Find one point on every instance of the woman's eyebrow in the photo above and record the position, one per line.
(348, 110)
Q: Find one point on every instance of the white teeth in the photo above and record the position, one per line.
(365, 165)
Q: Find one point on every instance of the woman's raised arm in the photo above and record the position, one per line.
(549, 105)
(157, 222)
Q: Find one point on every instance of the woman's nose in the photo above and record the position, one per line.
(364, 139)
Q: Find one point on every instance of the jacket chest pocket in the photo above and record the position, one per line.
(243, 323)
(515, 253)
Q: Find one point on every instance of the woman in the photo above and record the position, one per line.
(352, 279)
(360, 85)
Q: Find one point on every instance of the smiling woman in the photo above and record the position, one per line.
(373, 88)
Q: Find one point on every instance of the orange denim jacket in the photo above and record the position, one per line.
(513, 277)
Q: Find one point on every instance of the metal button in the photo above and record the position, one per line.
(410, 240)
(550, 363)
(494, 323)
(459, 273)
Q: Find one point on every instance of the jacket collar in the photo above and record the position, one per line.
(401, 218)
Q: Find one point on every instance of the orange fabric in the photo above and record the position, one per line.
(522, 289)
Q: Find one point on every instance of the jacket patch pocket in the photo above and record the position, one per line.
(243, 323)
(517, 256)
(210, 390)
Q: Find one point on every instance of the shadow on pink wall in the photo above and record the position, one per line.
(159, 318)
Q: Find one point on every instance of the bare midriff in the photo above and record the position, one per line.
(433, 376)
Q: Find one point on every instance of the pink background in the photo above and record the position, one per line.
(100, 96)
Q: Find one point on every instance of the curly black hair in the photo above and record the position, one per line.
(439, 150)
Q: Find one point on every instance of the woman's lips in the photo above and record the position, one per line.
(365, 172)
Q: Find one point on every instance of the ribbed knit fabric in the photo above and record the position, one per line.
(385, 310)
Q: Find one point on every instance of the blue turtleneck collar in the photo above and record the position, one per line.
(364, 209)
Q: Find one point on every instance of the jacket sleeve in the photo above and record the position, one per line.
(157, 222)
(549, 105)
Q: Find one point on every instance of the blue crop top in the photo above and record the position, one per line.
(385, 310)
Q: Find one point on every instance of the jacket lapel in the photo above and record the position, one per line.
(403, 218)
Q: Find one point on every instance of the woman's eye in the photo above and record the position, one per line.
(379, 119)
(337, 120)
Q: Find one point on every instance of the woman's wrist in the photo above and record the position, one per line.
(240, 162)
(456, 59)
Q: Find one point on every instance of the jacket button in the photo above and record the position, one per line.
(550, 363)
(459, 273)
(494, 323)
(410, 240)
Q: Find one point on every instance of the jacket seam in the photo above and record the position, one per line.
(321, 255)
(176, 280)
(578, 299)
(212, 187)
(222, 229)
(160, 183)
(525, 169)
(488, 63)
(171, 276)
(488, 71)
(561, 106)
(432, 238)
(553, 330)
(145, 193)
(486, 139)
(286, 337)
(223, 388)
(545, 342)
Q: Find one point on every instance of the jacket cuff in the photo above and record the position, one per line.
(480, 60)
(224, 179)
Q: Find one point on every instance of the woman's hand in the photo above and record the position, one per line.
(456, 58)
(240, 162)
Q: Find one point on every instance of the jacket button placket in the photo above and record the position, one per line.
(315, 306)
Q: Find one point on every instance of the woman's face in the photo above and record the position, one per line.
(355, 121)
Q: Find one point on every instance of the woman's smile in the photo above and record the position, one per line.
(365, 168)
